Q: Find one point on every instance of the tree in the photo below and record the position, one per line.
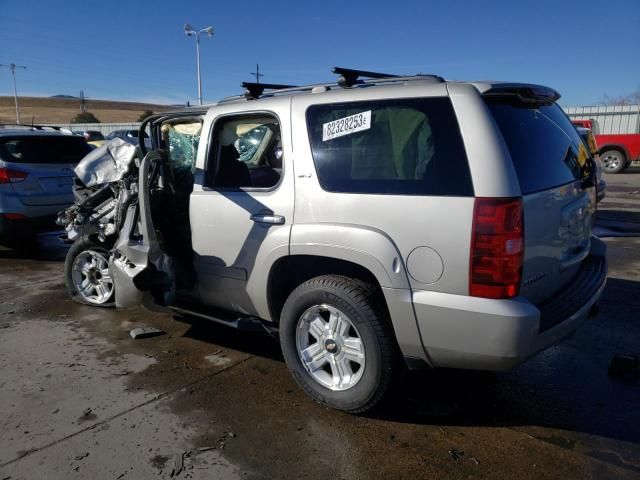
(85, 117)
(630, 99)
(144, 115)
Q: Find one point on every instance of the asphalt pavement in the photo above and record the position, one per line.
(81, 399)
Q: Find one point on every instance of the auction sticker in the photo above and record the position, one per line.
(346, 125)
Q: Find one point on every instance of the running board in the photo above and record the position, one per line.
(247, 324)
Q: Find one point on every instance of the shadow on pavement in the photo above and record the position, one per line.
(566, 387)
(608, 217)
(43, 246)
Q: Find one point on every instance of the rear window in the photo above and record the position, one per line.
(401, 146)
(42, 149)
(545, 147)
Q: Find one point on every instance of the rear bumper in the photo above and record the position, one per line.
(18, 229)
(484, 334)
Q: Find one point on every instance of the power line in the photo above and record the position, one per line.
(12, 67)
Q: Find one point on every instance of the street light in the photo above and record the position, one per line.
(12, 67)
(189, 31)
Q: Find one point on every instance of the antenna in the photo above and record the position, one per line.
(257, 74)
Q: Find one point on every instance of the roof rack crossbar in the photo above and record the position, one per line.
(255, 90)
(349, 76)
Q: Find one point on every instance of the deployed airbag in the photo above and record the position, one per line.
(105, 164)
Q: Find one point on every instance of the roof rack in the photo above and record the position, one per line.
(349, 77)
(35, 127)
(255, 90)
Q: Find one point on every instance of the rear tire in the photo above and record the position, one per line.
(613, 161)
(338, 326)
(86, 274)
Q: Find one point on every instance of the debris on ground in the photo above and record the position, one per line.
(86, 412)
(624, 367)
(458, 454)
(231, 435)
(178, 464)
(145, 332)
(204, 449)
(82, 455)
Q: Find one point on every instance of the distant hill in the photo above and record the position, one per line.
(60, 109)
(62, 96)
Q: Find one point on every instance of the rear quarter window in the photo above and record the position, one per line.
(545, 147)
(400, 146)
(43, 149)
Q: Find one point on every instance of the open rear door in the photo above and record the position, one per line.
(143, 273)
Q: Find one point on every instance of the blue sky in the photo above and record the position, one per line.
(137, 50)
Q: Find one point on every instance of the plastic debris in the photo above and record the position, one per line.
(145, 332)
(178, 464)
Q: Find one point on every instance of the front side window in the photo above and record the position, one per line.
(245, 152)
(401, 146)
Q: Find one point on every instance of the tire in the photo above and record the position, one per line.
(613, 161)
(85, 251)
(315, 304)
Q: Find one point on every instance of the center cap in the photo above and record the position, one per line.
(331, 346)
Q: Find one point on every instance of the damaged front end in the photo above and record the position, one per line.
(112, 195)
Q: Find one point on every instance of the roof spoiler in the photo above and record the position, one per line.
(522, 94)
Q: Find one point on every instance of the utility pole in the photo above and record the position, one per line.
(257, 74)
(12, 67)
(83, 103)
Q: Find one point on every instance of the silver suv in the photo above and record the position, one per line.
(377, 223)
(36, 175)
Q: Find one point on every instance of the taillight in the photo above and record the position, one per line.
(13, 216)
(11, 176)
(497, 248)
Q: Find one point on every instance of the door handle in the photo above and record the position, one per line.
(268, 218)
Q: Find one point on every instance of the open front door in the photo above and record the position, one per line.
(143, 273)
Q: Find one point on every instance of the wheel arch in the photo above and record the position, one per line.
(290, 271)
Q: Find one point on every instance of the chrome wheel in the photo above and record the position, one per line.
(330, 347)
(91, 278)
(612, 161)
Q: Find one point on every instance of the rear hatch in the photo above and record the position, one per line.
(557, 181)
(45, 163)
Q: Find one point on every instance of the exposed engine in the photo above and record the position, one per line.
(105, 187)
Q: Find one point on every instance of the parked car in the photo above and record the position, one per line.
(36, 175)
(130, 136)
(94, 137)
(617, 150)
(592, 147)
(379, 221)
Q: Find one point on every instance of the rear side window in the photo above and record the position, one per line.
(545, 147)
(42, 149)
(400, 146)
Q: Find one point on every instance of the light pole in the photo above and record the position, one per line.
(189, 31)
(12, 67)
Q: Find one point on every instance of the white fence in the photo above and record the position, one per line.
(610, 119)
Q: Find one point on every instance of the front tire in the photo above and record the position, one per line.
(86, 273)
(337, 342)
(613, 161)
